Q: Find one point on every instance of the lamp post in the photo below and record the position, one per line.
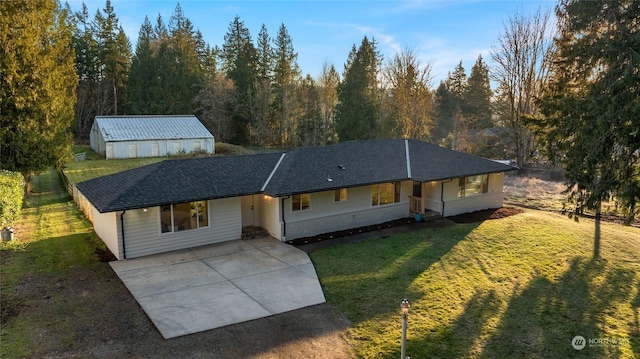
(404, 306)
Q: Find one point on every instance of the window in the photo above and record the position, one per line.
(300, 202)
(385, 193)
(472, 185)
(184, 216)
(340, 195)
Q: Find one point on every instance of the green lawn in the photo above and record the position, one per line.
(54, 242)
(521, 286)
(518, 287)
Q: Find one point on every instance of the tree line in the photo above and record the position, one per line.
(566, 94)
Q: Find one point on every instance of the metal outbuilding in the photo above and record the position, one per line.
(149, 136)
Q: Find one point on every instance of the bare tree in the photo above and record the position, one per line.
(521, 59)
(409, 101)
(214, 103)
(328, 86)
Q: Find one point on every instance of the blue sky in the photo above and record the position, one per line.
(440, 31)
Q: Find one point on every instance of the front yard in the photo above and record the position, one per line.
(521, 286)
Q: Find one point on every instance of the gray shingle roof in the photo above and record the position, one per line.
(301, 170)
(176, 181)
(156, 127)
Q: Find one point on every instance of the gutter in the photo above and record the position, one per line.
(124, 250)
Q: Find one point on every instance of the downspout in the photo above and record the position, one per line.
(442, 195)
(284, 222)
(124, 250)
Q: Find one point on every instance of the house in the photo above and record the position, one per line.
(176, 204)
(149, 136)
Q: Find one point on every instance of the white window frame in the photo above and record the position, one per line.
(172, 227)
(300, 202)
(340, 194)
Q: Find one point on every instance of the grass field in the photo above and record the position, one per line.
(518, 287)
(54, 243)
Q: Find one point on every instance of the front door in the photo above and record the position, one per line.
(248, 211)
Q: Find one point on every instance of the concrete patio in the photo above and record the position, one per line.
(198, 289)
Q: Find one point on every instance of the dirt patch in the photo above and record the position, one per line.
(484, 215)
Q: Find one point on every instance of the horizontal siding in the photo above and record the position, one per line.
(143, 237)
(492, 199)
(107, 228)
(326, 215)
(268, 214)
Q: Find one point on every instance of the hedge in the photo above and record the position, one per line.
(11, 196)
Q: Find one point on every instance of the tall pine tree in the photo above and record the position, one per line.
(591, 123)
(358, 109)
(37, 85)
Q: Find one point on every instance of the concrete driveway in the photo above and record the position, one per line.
(198, 289)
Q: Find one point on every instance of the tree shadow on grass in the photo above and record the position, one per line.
(374, 276)
(542, 320)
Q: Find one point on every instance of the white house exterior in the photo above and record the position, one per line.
(304, 192)
(149, 136)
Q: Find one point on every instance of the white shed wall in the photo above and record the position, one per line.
(143, 237)
(122, 149)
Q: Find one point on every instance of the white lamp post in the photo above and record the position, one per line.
(404, 306)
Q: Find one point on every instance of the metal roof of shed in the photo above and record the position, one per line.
(150, 127)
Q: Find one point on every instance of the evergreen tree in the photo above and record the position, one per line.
(238, 62)
(114, 57)
(186, 67)
(142, 76)
(87, 67)
(286, 80)
(477, 97)
(37, 85)
(591, 123)
(262, 132)
(358, 109)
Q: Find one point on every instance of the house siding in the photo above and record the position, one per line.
(325, 215)
(143, 237)
(492, 199)
(107, 228)
(268, 215)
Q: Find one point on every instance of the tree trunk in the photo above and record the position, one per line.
(596, 235)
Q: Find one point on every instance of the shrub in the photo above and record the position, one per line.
(11, 196)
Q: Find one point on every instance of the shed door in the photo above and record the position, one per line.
(109, 154)
(133, 150)
(176, 148)
(155, 152)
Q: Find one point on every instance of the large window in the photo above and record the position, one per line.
(472, 185)
(340, 195)
(300, 202)
(184, 216)
(385, 193)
